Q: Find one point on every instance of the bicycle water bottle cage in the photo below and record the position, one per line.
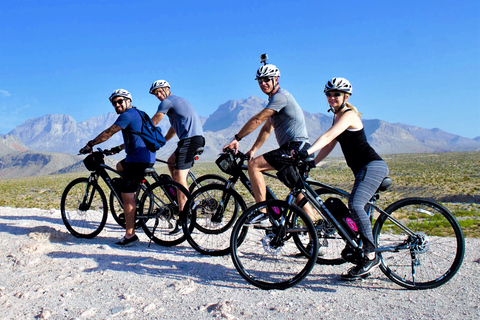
(93, 161)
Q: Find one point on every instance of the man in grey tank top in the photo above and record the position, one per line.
(282, 115)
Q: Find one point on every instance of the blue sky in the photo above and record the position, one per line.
(413, 62)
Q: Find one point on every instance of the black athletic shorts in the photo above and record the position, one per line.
(185, 151)
(274, 157)
(133, 173)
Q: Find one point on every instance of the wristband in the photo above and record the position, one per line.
(238, 138)
(90, 143)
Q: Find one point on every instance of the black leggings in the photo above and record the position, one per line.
(367, 181)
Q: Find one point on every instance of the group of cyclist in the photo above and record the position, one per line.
(282, 115)
(185, 123)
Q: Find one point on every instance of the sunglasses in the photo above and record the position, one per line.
(333, 94)
(263, 79)
(119, 101)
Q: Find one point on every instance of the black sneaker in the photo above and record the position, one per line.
(365, 267)
(176, 230)
(127, 242)
(301, 254)
(349, 277)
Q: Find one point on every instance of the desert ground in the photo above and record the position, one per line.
(49, 274)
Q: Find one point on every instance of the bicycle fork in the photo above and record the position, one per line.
(88, 196)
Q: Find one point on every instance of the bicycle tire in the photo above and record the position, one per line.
(158, 213)
(438, 254)
(212, 212)
(116, 207)
(206, 180)
(83, 220)
(330, 243)
(268, 257)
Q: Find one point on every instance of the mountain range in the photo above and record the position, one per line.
(56, 139)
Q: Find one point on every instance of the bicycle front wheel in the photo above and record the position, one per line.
(212, 212)
(84, 208)
(268, 257)
(158, 212)
(428, 258)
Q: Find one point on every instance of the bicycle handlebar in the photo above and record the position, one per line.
(240, 155)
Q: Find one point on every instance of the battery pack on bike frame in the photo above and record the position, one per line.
(342, 214)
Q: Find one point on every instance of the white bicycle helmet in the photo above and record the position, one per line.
(268, 70)
(159, 84)
(338, 84)
(120, 93)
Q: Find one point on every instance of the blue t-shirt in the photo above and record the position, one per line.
(134, 145)
(288, 120)
(183, 118)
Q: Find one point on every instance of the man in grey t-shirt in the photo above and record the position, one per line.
(282, 115)
(185, 123)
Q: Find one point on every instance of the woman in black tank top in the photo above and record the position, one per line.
(367, 166)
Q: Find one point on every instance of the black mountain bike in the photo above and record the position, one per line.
(420, 243)
(116, 206)
(84, 207)
(215, 207)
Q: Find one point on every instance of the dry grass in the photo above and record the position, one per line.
(450, 178)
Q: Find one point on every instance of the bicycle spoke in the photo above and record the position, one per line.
(268, 257)
(431, 256)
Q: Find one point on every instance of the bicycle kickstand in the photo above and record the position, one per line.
(153, 232)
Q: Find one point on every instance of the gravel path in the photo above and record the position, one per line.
(46, 273)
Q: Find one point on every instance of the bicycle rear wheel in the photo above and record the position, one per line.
(268, 257)
(212, 212)
(84, 208)
(330, 243)
(158, 212)
(430, 257)
(206, 180)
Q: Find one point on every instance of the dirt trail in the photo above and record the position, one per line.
(49, 274)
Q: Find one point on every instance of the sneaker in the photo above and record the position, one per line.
(349, 277)
(365, 267)
(321, 251)
(127, 242)
(260, 220)
(176, 230)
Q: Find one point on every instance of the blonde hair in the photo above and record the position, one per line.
(352, 107)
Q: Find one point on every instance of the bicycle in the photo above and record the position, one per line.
(197, 183)
(84, 206)
(413, 253)
(116, 206)
(167, 223)
(214, 208)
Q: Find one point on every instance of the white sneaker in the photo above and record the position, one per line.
(261, 220)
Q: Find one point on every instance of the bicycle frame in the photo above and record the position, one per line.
(191, 175)
(307, 191)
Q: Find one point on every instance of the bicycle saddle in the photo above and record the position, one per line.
(386, 183)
